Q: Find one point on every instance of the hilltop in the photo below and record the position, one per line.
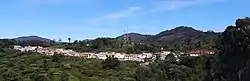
(135, 36)
(32, 38)
(173, 36)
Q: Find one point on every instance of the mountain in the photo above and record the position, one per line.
(181, 35)
(32, 38)
(134, 36)
(177, 35)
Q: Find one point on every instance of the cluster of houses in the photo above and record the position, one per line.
(104, 55)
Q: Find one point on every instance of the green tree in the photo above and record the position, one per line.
(69, 39)
(64, 76)
(171, 58)
(111, 63)
(39, 77)
(56, 57)
(234, 49)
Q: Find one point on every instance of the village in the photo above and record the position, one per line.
(103, 55)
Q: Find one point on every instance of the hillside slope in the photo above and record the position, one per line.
(181, 35)
(32, 38)
(177, 35)
(134, 36)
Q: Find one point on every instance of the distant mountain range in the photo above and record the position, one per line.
(176, 35)
(32, 38)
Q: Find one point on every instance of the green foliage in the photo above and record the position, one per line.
(234, 50)
(18, 66)
(56, 57)
(167, 71)
(111, 63)
(109, 44)
(64, 76)
(7, 43)
(171, 58)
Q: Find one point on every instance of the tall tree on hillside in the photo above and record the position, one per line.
(69, 39)
(235, 50)
(60, 40)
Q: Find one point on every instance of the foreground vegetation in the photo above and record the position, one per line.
(18, 66)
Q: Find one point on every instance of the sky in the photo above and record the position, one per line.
(87, 19)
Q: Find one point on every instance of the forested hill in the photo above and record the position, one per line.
(135, 36)
(181, 35)
(177, 35)
(34, 38)
(33, 41)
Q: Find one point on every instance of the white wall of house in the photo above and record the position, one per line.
(101, 56)
(166, 52)
(194, 55)
(147, 55)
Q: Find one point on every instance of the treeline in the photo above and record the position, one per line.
(128, 46)
(132, 46)
(109, 44)
(7, 43)
(119, 45)
(208, 43)
(187, 69)
(11, 42)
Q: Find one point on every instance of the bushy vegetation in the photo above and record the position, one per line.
(20, 66)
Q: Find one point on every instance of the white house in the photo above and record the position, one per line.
(147, 55)
(17, 47)
(166, 52)
(101, 56)
(120, 56)
(133, 57)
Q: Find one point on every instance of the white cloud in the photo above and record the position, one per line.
(123, 13)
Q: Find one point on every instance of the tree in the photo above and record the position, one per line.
(60, 40)
(165, 71)
(10, 76)
(69, 39)
(56, 57)
(234, 49)
(111, 63)
(75, 42)
(2, 50)
(45, 65)
(171, 58)
(144, 74)
(64, 76)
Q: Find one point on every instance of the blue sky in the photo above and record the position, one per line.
(81, 19)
